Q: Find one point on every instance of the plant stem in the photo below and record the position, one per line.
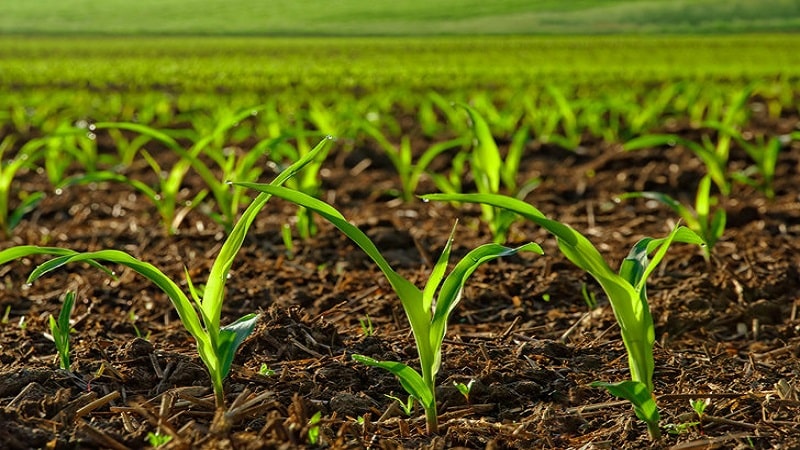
(431, 415)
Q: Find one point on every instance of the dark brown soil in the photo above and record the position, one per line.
(727, 330)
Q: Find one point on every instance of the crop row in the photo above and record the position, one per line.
(222, 144)
(229, 151)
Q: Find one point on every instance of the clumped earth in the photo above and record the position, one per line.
(727, 330)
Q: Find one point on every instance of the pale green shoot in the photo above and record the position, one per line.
(366, 326)
(265, 371)
(60, 329)
(625, 290)
(407, 406)
(464, 388)
(313, 429)
(427, 312)
(157, 439)
(216, 344)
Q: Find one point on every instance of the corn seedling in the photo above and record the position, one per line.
(402, 158)
(699, 219)
(625, 290)
(216, 344)
(307, 180)
(764, 154)
(60, 330)
(366, 326)
(427, 312)
(26, 158)
(490, 170)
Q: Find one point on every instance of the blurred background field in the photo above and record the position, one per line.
(388, 17)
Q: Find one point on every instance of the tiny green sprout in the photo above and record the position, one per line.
(464, 389)
(133, 318)
(407, 406)
(60, 328)
(589, 297)
(313, 429)
(360, 420)
(22, 324)
(6, 313)
(680, 428)
(366, 326)
(699, 406)
(546, 296)
(158, 439)
(286, 235)
(265, 371)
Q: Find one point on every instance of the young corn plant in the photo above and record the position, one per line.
(26, 158)
(764, 154)
(307, 180)
(699, 219)
(402, 158)
(626, 291)
(216, 344)
(427, 309)
(60, 330)
(490, 170)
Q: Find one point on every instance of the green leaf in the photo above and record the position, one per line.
(231, 337)
(486, 159)
(409, 378)
(630, 309)
(213, 293)
(644, 405)
(652, 141)
(410, 295)
(27, 205)
(437, 274)
(60, 330)
(453, 285)
(685, 213)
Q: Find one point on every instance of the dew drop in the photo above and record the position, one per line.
(426, 200)
(92, 127)
(59, 191)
